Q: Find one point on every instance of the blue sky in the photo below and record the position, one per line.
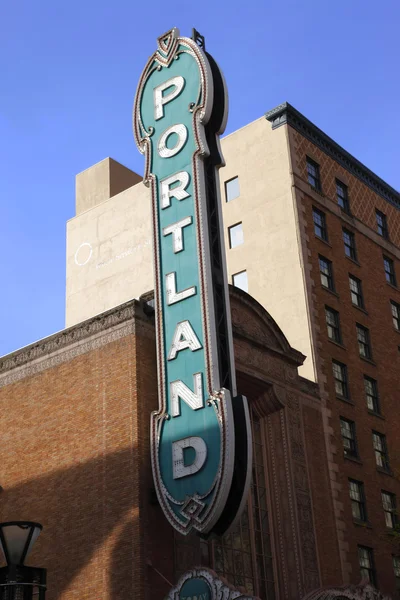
(68, 75)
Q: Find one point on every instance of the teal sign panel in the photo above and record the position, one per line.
(192, 433)
(195, 589)
(203, 584)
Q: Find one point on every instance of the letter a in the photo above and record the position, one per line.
(184, 337)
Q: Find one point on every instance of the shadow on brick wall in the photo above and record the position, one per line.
(90, 515)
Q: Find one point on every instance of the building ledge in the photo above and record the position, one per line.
(286, 114)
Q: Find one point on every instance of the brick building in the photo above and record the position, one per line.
(75, 422)
(313, 237)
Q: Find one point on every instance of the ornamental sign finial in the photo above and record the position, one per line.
(200, 436)
(203, 584)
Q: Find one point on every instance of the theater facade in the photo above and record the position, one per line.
(77, 431)
(168, 381)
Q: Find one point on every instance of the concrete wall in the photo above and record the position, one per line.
(270, 253)
(109, 258)
(100, 182)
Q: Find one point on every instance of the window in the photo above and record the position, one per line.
(240, 281)
(348, 431)
(313, 174)
(366, 562)
(349, 244)
(333, 324)
(232, 190)
(389, 270)
(395, 314)
(340, 378)
(356, 291)
(371, 393)
(389, 509)
(244, 555)
(364, 345)
(358, 508)
(320, 224)
(380, 448)
(235, 235)
(381, 224)
(396, 569)
(342, 196)
(326, 272)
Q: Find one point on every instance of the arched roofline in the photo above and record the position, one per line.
(268, 322)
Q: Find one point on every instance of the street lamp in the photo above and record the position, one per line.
(17, 581)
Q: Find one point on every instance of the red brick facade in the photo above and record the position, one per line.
(75, 425)
(383, 366)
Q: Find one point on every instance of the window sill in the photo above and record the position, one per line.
(353, 459)
(396, 330)
(375, 414)
(359, 308)
(362, 523)
(329, 290)
(346, 400)
(347, 213)
(339, 344)
(353, 260)
(392, 531)
(368, 360)
(317, 191)
(384, 237)
(322, 240)
(384, 471)
(392, 285)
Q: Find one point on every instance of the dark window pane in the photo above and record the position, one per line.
(371, 393)
(349, 244)
(340, 379)
(348, 431)
(364, 345)
(358, 508)
(389, 270)
(326, 273)
(395, 314)
(381, 224)
(333, 324)
(320, 224)
(342, 196)
(313, 175)
(380, 449)
(356, 291)
(366, 562)
(389, 509)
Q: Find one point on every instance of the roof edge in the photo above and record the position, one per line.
(286, 114)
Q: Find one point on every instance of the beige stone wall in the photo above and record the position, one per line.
(270, 254)
(100, 182)
(109, 258)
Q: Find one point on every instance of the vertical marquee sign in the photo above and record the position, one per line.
(200, 436)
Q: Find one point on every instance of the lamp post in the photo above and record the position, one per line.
(17, 581)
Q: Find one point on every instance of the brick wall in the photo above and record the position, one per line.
(385, 349)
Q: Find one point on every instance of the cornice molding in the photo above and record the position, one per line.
(286, 114)
(74, 341)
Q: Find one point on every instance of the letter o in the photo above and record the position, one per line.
(182, 134)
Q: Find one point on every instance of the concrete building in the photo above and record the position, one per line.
(313, 236)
